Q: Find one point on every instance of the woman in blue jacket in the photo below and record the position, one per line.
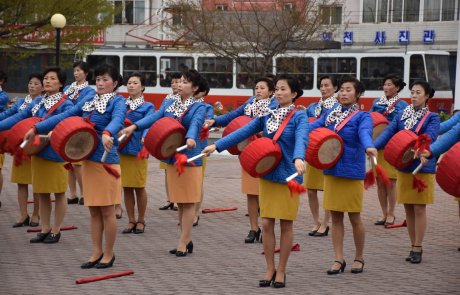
(48, 172)
(314, 179)
(22, 174)
(257, 105)
(415, 117)
(343, 183)
(185, 190)
(4, 99)
(102, 190)
(76, 92)
(134, 169)
(389, 106)
(275, 200)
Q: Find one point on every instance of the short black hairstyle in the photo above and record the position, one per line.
(141, 79)
(294, 85)
(3, 76)
(426, 86)
(268, 81)
(37, 76)
(194, 77)
(333, 79)
(204, 86)
(176, 75)
(82, 65)
(111, 71)
(358, 85)
(62, 77)
(396, 80)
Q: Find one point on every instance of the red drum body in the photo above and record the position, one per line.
(325, 147)
(260, 157)
(234, 125)
(164, 137)
(379, 122)
(399, 150)
(448, 173)
(74, 139)
(16, 136)
(3, 137)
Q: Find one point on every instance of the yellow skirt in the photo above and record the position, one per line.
(2, 159)
(48, 176)
(391, 170)
(204, 160)
(343, 194)
(314, 178)
(163, 165)
(184, 188)
(275, 201)
(133, 171)
(101, 188)
(249, 184)
(77, 163)
(407, 195)
(22, 174)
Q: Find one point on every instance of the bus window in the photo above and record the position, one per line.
(336, 66)
(144, 65)
(299, 67)
(245, 80)
(417, 68)
(374, 69)
(96, 60)
(437, 68)
(217, 71)
(173, 64)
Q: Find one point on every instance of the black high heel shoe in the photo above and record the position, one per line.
(417, 256)
(40, 237)
(25, 222)
(267, 283)
(359, 269)
(91, 264)
(52, 238)
(343, 264)
(323, 234)
(196, 222)
(278, 285)
(313, 232)
(188, 248)
(411, 253)
(253, 236)
(169, 205)
(101, 265)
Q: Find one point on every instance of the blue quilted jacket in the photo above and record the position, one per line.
(401, 105)
(445, 142)
(85, 94)
(14, 108)
(447, 125)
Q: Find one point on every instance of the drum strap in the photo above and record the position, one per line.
(53, 108)
(344, 122)
(283, 125)
(420, 124)
(385, 113)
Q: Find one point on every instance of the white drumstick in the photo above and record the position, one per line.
(104, 155)
(196, 157)
(181, 148)
(24, 143)
(43, 136)
(122, 137)
(212, 129)
(375, 160)
(420, 166)
(292, 177)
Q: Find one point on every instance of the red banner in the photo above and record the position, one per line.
(96, 39)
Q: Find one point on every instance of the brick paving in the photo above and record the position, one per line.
(221, 262)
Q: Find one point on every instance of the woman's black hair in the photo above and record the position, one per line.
(333, 79)
(294, 85)
(141, 79)
(193, 77)
(203, 87)
(268, 81)
(62, 77)
(3, 76)
(111, 71)
(396, 80)
(37, 76)
(82, 65)
(358, 85)
(426, 86)
(176, 75)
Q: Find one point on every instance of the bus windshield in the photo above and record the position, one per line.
(437, 68)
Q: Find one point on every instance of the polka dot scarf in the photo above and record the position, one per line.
(74, 89)
(98, 103)
(27, 101)
(411, 116)
(276, 117)
(47, 101)
(134, 104)
(384, 101)
(172, 96)
(178, 108)
(327, 103)
(338, 115)
(257, 107)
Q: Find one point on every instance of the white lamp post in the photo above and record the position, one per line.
(58, 22)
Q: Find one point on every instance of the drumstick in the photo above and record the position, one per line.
(24, 143)
(181, 148)
(43, 136)
(105, 154)
(196, 157)
(420, 166)
(122, 137)
(374, 159)
(212, 129)
(292, 177)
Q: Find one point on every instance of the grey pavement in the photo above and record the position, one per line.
(221, 263)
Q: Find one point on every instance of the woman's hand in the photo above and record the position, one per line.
(107, 142)
(423, 160)
(372, 152)
(423, 154)
(300, 166)
(128, 130)
(29, 135)
(209, 122)
(300, 107)
(190, 143)
(209, 149)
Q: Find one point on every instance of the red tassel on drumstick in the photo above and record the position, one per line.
(369, 179)
(294, 186)
(204, 133)
(68, 166)
(418, 183)
(107, 167)
(422, 143)
(20, 155)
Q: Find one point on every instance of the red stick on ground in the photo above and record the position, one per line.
(104, 277)
(213, 210)
(403, 224)
(294, 248)
(36, 230)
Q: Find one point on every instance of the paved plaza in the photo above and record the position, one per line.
(221, 263)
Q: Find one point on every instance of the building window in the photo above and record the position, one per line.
(331, 15)
(222, 7)
(289, 6)
(405, 10)
(297, 67)
(375, 11)
(436, 10)
(146, 66)
(129, 11)
(218, 71)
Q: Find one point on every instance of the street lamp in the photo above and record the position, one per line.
(58, 22)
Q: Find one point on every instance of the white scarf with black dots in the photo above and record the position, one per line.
(384, 101)
(277, 117)
(178, 108)
(257, 107)
(327, 103)
(98, 103)
(411, 116)
(172, 96)
(338, 115)
(27, 101)
(133, 104)
(74, 89)
(48, 101)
